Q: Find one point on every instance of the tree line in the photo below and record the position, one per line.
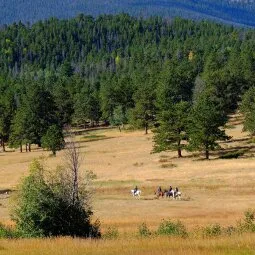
(181, 78)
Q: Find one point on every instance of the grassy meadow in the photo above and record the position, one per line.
(235, 245)
(214, 191)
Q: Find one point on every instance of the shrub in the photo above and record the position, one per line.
(45, 206)
(247, 224)
(7, 232)
(111, 233)
(143, 230)
(170, 228)
(212, 231)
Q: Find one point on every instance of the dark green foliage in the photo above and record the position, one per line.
(86, 107)
(206, 122)
(116, 69)
(248, 109)
(144, 112)
(7, 108)
(35, 113)
(64, 104)
(45, 208)
(173, 125)
(53, 140)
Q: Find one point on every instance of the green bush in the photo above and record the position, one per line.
(212, 231)
(248, 223)
(170, 228)
(7, 232)
(143, 230)
(45, 206)
(233, 154)
(111, 233)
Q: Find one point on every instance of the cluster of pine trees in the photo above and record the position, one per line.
(181, 77)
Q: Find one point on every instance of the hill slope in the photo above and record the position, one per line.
(230, 11)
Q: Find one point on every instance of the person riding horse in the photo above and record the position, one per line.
(170, 192)
(135, 189)
(159, 192)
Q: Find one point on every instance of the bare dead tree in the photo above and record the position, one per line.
(73, 161)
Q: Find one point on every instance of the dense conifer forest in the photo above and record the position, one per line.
(176, 77)
(240, 12)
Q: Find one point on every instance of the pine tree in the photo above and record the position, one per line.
(206, 122)
(172, 128)
(53, 139)
(248, 109)
(143, 115)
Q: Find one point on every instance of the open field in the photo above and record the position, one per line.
(215, 191)
(230, 246)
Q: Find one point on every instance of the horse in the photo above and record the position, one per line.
(178, 195)
(136, 193)
(170, 194)
(159, 194)
(174, 194)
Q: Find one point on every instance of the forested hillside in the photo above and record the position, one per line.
(236, 12)
(119, 69)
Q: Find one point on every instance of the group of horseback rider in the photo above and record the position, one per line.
(166, 193)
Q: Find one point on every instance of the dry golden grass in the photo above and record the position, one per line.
(129, 246)
(216, 191)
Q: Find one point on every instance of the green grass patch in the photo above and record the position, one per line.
(94, 137)
(168, 165)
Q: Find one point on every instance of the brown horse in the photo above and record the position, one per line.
(159, 194)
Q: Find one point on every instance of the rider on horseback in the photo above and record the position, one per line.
(159, 190)
(135, 189)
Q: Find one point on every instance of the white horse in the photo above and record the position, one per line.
(178, 195)
(136, 193)
(174, 194)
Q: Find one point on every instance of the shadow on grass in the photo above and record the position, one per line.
(4, 191)
(246, 139)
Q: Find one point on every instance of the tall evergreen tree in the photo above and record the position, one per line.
(206, 122)
(144, 113)
(172, 130)
(248, 109)
(53, 139)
